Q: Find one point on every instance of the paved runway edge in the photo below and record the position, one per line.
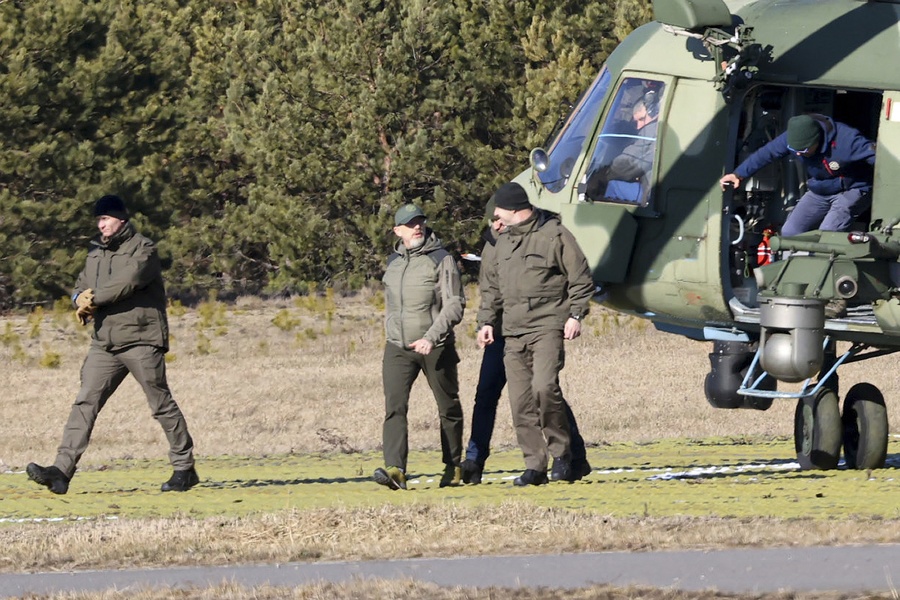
(870, 568)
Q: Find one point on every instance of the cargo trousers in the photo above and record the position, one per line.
(400, 368)
(491, 381)
(101, 374)
(533, 362)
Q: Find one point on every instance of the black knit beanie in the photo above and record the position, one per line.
(112, 206)
(511, 196)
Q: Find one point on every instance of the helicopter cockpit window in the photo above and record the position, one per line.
(622, 162)
(570, 141)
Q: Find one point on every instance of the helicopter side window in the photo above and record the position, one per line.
(622, 163)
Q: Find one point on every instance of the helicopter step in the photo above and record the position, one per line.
(855, 318)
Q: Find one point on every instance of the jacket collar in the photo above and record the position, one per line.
(432, 242)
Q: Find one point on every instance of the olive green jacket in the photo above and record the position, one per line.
(535, 277)
(125, 274)
(424, 296)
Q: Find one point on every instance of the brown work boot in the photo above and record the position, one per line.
(392, 477)
(452, 476)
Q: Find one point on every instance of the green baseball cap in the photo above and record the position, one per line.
(407, 213)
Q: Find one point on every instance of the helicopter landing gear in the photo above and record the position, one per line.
(817, 430)
(865, 427)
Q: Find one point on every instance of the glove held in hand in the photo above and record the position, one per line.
(85, 303)
(85, 298)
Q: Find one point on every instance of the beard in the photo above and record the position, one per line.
(416, 243)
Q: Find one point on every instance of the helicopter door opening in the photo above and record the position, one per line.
(765, 199)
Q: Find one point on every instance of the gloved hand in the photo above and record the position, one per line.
(84, 314)
(85, 298)
(85, 303)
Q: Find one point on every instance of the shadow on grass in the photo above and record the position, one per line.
(254, 483)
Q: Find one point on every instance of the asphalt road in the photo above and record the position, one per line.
(841, 569)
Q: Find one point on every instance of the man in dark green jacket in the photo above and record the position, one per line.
(121, 290)
(541, 284)
(424, 300)
(492, 380)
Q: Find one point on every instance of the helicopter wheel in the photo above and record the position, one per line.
(817, 430)
(865, 426)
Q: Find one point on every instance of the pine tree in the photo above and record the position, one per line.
(266, 144)
(631, 14)
(91, 90)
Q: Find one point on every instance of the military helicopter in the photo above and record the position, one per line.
(720, 78)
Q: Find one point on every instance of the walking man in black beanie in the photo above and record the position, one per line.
(121, 290)
(541, 285)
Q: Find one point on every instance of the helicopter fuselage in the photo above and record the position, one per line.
(635, 174)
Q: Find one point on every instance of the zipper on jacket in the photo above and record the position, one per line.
(405, 260)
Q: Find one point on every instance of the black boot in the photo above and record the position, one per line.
(580, 469)
(181, 481)
(561, 470)
(531, 477)
(471, 472)
(55, 480)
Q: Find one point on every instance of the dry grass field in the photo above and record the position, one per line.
(301, 378)
(303, 375)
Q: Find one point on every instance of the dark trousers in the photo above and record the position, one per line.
(400, 368)
(491, 380)
(101, 374)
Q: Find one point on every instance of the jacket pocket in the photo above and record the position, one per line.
(537, 262)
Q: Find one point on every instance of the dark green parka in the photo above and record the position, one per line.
(535, 276)
(125, 274)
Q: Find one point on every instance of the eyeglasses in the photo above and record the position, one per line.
(796, 151)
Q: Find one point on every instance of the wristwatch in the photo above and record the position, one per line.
(576, 317)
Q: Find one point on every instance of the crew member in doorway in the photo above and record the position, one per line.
(839, 164)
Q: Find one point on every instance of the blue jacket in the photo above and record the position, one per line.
(844, 161)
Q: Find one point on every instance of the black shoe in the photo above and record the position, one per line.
(562, 470)
(181, 481)
(55, 480)
(580, 469)
(471, 472)
(531, 477)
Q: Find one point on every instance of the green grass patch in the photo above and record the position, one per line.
(710, 477)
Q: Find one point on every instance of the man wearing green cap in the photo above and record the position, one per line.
(839, 164)
(424, 300)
